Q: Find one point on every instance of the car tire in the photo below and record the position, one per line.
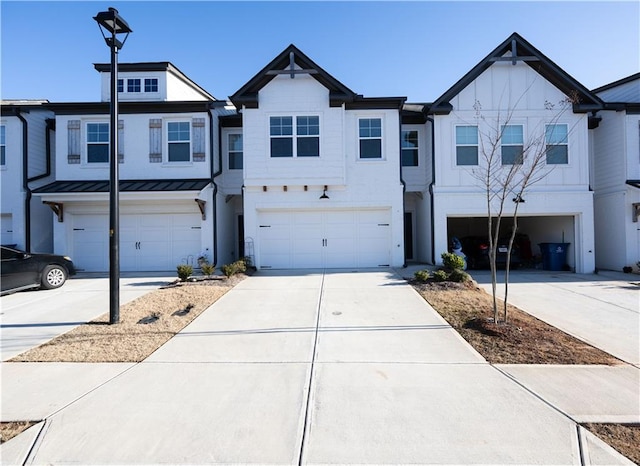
(53, 276)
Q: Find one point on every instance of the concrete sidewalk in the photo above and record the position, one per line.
(296, 368)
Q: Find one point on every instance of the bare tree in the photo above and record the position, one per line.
(505, 181)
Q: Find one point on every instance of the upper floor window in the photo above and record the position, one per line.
(151, 85)
(409, 148)
(133, 85)
(556, 139)
(370, 136)
(179, 141)
(512, 141)
(97, 142)
(3, 157)
(466, 145)
(306, 136)
(120, 85)
(235, 151)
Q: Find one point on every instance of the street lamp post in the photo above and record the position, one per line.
(111, 24)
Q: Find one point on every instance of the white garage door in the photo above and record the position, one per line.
(6, 224)
(331, 239)
(148, 242)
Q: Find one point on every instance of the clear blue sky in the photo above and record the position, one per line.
(415, 49)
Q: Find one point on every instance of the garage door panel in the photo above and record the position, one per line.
(316, 239)
(6, 226)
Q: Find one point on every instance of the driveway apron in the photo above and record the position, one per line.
(312, 367)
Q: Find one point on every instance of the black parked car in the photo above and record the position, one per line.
(22, 270)
(476, 248)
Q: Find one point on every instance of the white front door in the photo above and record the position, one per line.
(319, 239)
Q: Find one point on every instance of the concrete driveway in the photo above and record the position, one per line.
(602, 310)
(30, 318)
(306, 367)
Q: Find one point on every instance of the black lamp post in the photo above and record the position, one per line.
(111, 24)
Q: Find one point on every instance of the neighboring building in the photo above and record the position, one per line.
(167, 148)
(26, 144)
(518, 87)
(321, 169)
(616, 175)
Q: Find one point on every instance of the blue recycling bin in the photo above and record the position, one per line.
(554, 255)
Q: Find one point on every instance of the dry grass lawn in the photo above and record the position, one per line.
(624, 438)
(170, 309)
(523, 340)
(8, 430)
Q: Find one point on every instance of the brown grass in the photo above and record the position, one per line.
(522, 340)
(8, 430)
(130, 340)
(623, 438)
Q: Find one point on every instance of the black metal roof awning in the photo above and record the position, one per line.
(634, 183)
(102, 186)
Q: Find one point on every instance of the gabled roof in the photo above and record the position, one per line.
(523, 51)
(285, 63)
(141, 67)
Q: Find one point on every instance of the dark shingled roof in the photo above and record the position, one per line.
(102, 186)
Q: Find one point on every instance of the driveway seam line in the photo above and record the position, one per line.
(311, 372)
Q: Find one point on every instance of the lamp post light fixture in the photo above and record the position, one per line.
(112, 25)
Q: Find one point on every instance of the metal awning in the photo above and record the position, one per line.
(102, 186)
(634, 183)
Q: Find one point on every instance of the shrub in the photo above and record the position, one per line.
(458, 275)
(235, 267)
(208, 268)
(241, 265)
(184, 272)
(228, 270)
(440, 275)
(422, 275)
(452, 261)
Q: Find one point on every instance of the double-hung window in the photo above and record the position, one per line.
(306, 136)
(512, 142)
(151, 85)
(466, 145)
(410, 148)
(235, 151)
(556, 140)
(97, 142)
(179, 141)
(133, 85)
(370, 138)
(3, 148)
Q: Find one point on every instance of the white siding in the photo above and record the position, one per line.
(609, 152)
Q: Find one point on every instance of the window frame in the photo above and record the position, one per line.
(169, 142)
(151, 82)
(564, 144)
(131, 81)
(503, 129)
(414, 150)
(296, 137)
(88, 143)
(457, 145)
(120, 85)
(362, 139)
(235, 152)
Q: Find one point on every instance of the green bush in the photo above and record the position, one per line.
(452, 261)
(228, 270)
(440, 275)
(422, 275)
(458, 275)
(184, 272)
(208, 268)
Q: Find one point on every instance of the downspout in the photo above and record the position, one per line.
(214, 174)
(430, 187)
(404, 190)
(25, 180)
